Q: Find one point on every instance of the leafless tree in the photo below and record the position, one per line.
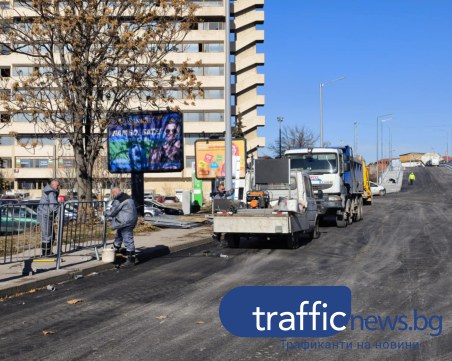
(293, 137)
(94, 61)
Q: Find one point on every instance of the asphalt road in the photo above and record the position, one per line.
(397, 259)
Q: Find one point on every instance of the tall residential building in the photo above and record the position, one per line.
(29, 161)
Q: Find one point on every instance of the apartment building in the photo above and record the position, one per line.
(29, 160)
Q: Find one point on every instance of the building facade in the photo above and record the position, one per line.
(29, 160)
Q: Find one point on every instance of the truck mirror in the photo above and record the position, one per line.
(320, 194)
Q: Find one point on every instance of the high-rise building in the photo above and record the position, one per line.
(28, 161)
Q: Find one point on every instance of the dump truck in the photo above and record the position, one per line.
(278, 203)
(337, 179)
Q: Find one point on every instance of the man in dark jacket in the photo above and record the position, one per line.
(47, 211)
(222, 193)
(124, 219)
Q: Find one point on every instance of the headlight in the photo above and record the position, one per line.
(334, 198)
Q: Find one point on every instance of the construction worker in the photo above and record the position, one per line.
(124, 214)
(412, 178)
(47, 211)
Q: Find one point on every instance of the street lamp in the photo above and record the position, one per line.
(280, 120)
(378, 119)
(355, 137)
(321, 106)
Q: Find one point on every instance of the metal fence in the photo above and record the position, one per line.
(32, 230)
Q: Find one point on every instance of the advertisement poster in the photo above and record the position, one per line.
(146, 143)
(210, 155)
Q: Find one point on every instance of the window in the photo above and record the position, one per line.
(33, 163)
(21, 117)
(5, 72)
(66, 163)
(4, 50)
(24, 70)
(6, 140)
(204, 117)
(213, 70)
(212, 25)
(5, 118)
(6, 163)
(214, 117)
(213, 48)
(193, 117)
(208, 70)
(214, 94)
(190, 48)
(4, 5)
(26, 163)
(42, 163)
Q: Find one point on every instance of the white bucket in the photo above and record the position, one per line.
(108, 255)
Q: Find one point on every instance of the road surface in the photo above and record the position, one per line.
(394, 261)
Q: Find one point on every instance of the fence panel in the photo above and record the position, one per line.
(31, 230)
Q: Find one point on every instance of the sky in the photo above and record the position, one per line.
(395, 55)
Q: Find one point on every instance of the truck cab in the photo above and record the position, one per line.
(337, 180)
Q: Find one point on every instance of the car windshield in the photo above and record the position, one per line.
(314, 163)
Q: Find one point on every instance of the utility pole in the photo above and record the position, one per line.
(227, 97)
(280, 120)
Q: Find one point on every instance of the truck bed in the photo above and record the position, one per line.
(259, 221)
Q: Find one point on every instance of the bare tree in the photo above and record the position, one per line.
(93, 61)
(293, 137)
(67, 176)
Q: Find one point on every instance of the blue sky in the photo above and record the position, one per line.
(396, 56)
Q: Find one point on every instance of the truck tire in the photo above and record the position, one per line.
(349, 211)
(232, 240)
(315, 233)
(293, 241)
(341, 222)
(360, 209)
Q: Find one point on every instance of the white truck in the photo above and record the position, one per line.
(338, 179)
(277, 203)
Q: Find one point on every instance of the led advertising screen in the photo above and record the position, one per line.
(210, 155)
(146, 143)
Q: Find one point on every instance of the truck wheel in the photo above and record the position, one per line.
(315, 233)
(341, 222)
(293, 241)
(233, 240)
(360, 209)
(349, 211)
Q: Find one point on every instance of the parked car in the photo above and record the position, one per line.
(171, 200)
(152, 212)
(17, 218)
(377, 190)
(163, 208)
(8, 199)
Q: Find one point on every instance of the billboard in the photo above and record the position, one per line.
(146, 143)
(210, 155)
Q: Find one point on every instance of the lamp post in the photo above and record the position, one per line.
(280, 120)
(378, 119)
(227, 98)
(355, 137)
(321, 106)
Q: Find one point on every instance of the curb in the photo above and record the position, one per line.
(68, 275)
